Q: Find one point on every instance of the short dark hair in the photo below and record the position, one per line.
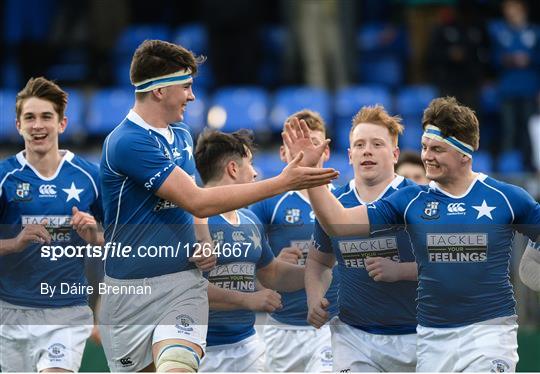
(155, 58)
(453, 119)
(409, 157)
(215, 149)
(44, 89)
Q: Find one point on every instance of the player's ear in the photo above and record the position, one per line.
(395, 152)
(232, 169)
(350, 156)
(63, 125)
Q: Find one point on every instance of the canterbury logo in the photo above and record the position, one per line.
(47, 189)
(456, 208)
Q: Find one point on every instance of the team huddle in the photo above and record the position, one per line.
(380, 274)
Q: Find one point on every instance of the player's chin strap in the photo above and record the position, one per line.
(177, 356)
(433, 132)
(180, 77)
(529, 267)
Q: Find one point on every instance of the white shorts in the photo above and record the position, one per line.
(481, 347)
(35, 339)
(244, 356)
(175, 308)
(297, 348)
(358, 351)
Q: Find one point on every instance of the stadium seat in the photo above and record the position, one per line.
(510, 162)
(410, 104)
(234, 108)
(273, 40)
(11, 74)
(193, 37)
(107, 108)
(411, 137)
(386, 70)
(288, 100)
(134, 35)
(482, 162)
(489, 99)
(75, 112)
(268, 164)
(349, 100)
(8, 130)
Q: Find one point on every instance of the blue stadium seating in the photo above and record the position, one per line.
(349, 100)
(411, 139)
(489, 99)
(75, 113)
(244, 107)
(482, 162)
(193, 37)
(268, 164)
(106, 109)
(386, 70)
(410, 104)
(8, 130)
(510, 162)
(288, 100)
(134, 35)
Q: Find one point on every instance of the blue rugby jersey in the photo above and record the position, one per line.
(27, 197)
(289, 221)
(242, 250)
(135, 162)
(375, 307)
(462, 246)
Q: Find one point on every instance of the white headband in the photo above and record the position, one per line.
(433, 132)
(180, 77)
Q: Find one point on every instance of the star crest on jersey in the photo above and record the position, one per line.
(484, 210)
(189, 149)
(73, 192)
(256, 239)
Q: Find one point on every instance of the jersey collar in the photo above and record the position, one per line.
(480, 177)
(398, 179)
(137, 119)
(67, 156)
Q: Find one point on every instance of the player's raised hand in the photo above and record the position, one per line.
(263, 301)
(317, 313)
(86, 226)
(30, 234)
(296, 137)
(382, 269)
(298, 177)
(290, 255)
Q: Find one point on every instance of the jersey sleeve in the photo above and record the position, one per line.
(260, 209)
(321, 240)
(267, 256)
(526, 212)
(143, 160)
(388, 211)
